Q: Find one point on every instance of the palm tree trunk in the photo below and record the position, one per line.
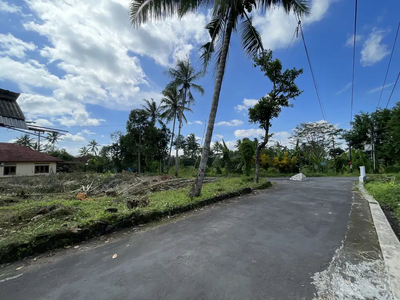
(170, 148)
(178, 142)
(258, 151)
(198, 184)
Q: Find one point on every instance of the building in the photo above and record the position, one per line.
(22, 161)
(11, 115)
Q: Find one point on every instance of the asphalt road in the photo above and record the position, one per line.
(264, 246)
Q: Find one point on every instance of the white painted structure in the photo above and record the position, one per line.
(27, 168)
(363, 177)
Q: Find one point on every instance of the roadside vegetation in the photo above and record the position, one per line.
(386, 190)
(34, 210)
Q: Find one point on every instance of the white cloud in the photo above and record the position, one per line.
(345, 88)
(43, 122)
(246, 104)
(283, 137)
(219, 136)
(12, 46)
(233, 122)
(79, 117)
(98, 53)
(10, 8)
(242, 133)
(195, 122)
(30, 73)
(87, 131)
(350, 40)
(380, 88)
(71, 113)
(373, 51)
(277, 28)
(68, 137)
(102, 135)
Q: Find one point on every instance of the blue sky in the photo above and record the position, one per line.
(81, 67)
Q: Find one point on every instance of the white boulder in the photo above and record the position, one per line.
(298, 177)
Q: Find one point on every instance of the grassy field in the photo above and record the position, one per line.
(386, 190)
(21, 220)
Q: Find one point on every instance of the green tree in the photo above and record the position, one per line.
(368, 126)
(53, 138)
(93, 146)
(391, 143)
(84, 151)
(62, 154)
(170, 107)
(26, 141)
(135, 127)
(283, 90)
(223, 154)
(184, 76)
(225, 19)
(246, 150)
(192, 146)
(152, 110)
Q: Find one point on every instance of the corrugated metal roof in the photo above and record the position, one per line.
(8, 122)
(11, 114)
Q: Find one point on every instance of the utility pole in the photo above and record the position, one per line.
(334, 152)
(38, 146)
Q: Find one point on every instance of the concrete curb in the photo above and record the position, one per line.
(388, 241)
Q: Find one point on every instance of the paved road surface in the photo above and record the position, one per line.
(264, 246)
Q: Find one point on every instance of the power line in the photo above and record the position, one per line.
(354, 61)
(390, 97)
(390, 60)
(312, 72)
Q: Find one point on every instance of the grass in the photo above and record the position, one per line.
(24, 219)
(386, 190)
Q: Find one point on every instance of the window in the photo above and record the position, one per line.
(9, 170)
(41, 169)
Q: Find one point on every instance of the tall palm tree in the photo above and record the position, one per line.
(84, 151)
(228, 16)
(93, 146)
(151, 108)
(26, 141)
(170, 107)
(183, 77)
(52, 138)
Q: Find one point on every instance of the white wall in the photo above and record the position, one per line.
(28, 169)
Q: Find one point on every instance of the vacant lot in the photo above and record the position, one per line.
(32, 209)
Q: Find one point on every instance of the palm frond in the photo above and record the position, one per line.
(216, 28)
(250, 37)
(140, 11)
(198, 88)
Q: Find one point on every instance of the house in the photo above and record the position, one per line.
(11, 115)
(22, 161)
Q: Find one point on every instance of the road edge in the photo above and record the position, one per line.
(390, 245)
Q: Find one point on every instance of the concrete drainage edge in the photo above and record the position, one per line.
(62, 238)
(390, 245)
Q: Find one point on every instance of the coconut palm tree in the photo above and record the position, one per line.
(228, 16)
(26, 141)
(170, 107)
(84, 151)
(152, 110)
(183, 77)
(52, 138)
(93, 146)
